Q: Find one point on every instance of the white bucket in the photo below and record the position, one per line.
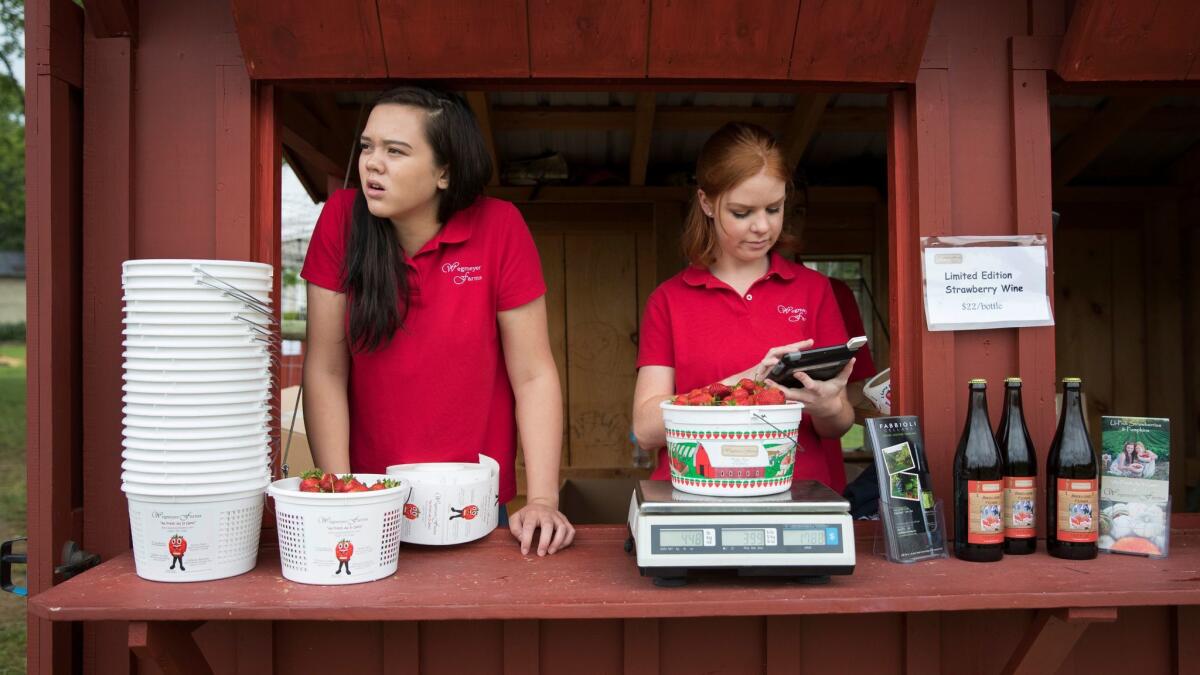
(185, 318)
(243, 339)
(256, 453)
(451, 502)
(210, 422)
(190, 267)
(218, 535)
(232, 444)
(249, 351)
(211, 366)
(164, 466)
(878, 391)
(261, 376)
(215, 489)
(220, 328)
(196, 388)
(732, 450)
(177, 476)
(185, 282)
(221, 411)
(198, 293)
(158, 433)
(180, 399)
(336, 539)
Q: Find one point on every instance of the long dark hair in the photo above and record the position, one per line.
(374, 274)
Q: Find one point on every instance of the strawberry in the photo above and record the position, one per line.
(747, 384)
(384, 484)
(681, 399)
(719, 390)
(355, 486)
(310, 481)
(327, 481)
(701, 399)
(771, 397)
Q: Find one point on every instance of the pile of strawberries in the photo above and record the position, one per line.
(745, 392)
(323, 481)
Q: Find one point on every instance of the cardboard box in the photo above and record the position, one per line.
(297, 455)
(596, 501)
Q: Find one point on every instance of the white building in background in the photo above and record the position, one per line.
(298, 215)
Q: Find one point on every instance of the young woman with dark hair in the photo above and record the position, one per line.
(738, 299)
(427, 335)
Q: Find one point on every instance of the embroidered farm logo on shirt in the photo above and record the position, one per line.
(794, 314)
(463, 274)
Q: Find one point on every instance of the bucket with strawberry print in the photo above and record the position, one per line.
(732, 450)
(335, 538)
(451, 502)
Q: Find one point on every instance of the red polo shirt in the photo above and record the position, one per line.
(439, 391)
(701, 327)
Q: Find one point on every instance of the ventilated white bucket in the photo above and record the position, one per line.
(252, 398)
(337, 539)
(198, 293)
(210, 422)
(195, 538)
(197, 388)
(191, 267)
(233, 444)
(179, 476)
(732, 451)
(240, 455)
(261, 376)
(188, 282)
(241, 339)
(198, 490)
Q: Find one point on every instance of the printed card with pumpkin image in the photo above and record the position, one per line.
(1135, 505)
(911, 516)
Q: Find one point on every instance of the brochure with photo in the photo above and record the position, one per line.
(1135, 505)
(912, 521)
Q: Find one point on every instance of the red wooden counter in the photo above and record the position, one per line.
(483, 607)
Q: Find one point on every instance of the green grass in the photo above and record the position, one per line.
(12, 498)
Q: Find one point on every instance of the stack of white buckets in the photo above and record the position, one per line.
(197, 385)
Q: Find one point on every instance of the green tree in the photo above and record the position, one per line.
(12, 127)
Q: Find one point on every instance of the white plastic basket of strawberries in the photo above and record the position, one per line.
(336, 530)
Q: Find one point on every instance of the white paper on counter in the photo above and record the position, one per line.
(451, 502)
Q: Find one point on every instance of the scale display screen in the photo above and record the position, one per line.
(804, 537)
(743, 537)
(675, 537)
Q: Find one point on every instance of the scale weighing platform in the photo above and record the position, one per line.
(805, 533)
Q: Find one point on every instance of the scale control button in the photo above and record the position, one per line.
(831, 536)
(772, 535)
(710, 537)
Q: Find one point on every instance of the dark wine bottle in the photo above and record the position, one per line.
(1020, 473)
(1072, 483)
(978, 485)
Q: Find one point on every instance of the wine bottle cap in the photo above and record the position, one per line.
(1012, 380)
(1071, 380)
(978, 380)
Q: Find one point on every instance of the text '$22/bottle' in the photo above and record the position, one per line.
(978, 484)
(1020, 473)
(1072, 482)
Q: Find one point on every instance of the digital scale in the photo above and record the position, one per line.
(805, 533)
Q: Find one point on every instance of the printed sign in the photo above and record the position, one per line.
(978, 287)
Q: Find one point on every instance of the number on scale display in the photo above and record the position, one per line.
(743, 537)
(681, 538)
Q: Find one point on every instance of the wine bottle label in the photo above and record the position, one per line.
(1078, 510)
(1019, 507)
(985, 501)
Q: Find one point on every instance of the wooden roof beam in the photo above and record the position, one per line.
(802, 126)
(643, 128)
(1078, 150)
(482, 109)
(311, 139)
(113, 18)
(566, 118)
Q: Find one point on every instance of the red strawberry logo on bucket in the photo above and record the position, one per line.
(411, 511)
(343, 551)
(177, 546)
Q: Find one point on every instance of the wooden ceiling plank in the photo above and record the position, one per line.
(588, 38)
(565, 118)
(802, 126)
(288, 40)
(643, 129)
(863, 41)
(481, 107)
(1079, 149)
(320, 145)
(1130, 40)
